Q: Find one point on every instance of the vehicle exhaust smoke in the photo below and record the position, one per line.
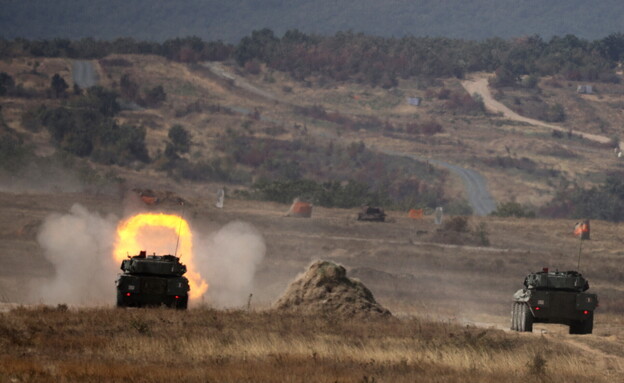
(228, 259)
(79, 246)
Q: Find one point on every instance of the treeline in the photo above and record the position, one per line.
(85, 126)
(402, 182)
(327, 194)
(379, 61)
(189, 49)
(605, 201)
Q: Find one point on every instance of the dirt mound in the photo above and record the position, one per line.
(326, 289)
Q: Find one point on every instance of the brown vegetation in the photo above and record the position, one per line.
(433, 289)
(203, 345)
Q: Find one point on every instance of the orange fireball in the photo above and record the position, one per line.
(158, 233)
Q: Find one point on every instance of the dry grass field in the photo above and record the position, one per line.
(206, 345)
(450, 305)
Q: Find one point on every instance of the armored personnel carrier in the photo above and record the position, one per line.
(373, 214)
(554, 297)
(152, 280)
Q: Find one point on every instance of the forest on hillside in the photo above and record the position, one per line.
(343, 57)
(374, 60)
(231, 20)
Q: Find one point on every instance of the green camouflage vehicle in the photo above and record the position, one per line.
(152, 280)
(372, 214)
(554, 297)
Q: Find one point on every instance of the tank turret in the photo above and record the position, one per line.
(554, 297)
(152, 280)
(371, 213)
(163, 265)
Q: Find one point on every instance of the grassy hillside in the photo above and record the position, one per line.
(231, 20)
(204, 345)
(252, 124)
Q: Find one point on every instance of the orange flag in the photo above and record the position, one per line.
(415, 213)
(581, 229)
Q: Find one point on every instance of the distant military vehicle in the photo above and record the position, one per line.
(152, 280)
(554, 297)
(370, 213)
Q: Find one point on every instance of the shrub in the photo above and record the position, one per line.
(513, 209)
(154, 97)
(87, 128)
(328, 194)
(13, 151)
(458, 224)
(554, 113)
(7, 84)
(253, 67)
(180, 138)
(605, 201)
(58, 86)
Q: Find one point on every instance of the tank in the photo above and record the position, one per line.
(370, 213)
(152, 280)
(554, 297)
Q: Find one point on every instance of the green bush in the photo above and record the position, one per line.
(13, 152)
(180, 139)
(86, 128)
(605, 201)
(328, 194)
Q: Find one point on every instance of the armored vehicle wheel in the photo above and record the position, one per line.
(583, 327)
(525, 318)
(182, 303)
(120, 302)
(514, 316)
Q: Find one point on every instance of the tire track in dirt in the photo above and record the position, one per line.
(610, 365)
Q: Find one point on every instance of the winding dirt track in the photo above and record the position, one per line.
(475, 185)
(479, 85)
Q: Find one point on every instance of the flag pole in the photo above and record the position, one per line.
(179, 229)
(578, 265)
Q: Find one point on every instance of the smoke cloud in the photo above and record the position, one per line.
(79, 245)
(228, 260)
(37, 178)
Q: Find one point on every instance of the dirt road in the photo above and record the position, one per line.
(477, 192)
(84, 74)
(475, 185)
(479, 85)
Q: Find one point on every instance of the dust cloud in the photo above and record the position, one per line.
(228, 260)
(34, 178)
(79, 246)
